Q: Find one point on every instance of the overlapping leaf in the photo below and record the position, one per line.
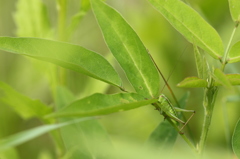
(191, 25)
(66, 55)
(102, 104)
(127, 49)
(234, 6)
(234, 53)
(23, 105)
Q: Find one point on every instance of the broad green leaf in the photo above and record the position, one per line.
(236, 139)
(9, 154)
(193, 82)
(84, 136)
(31, 19)
(163, 137)
(220, 77)
(102, 104)
(23, 105)
(128, 49)
(234, 6)
(66, 55)
(191, 25)
(19, 138)
(201, 63)
(234, 53)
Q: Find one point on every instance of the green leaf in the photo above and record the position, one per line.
(234, 53)
(234, 6)
(32, 19)
(163, 137)
(84, 136)
(221, 78)
(191, 25)
(234, 79)
(236, 139)
(128, 49)
(23, 105)
(201, 63)
(66, 55)
(102, 104)
(19, 138)
(193, 82)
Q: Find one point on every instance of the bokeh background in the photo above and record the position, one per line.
(172, 53)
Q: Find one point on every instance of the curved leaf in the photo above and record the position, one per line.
(102, 104)
(234, 6)
(66, 55)
(23, 105)
(192, 82)
(201, 63)
(236, 139)
(234, 53)
(234, 79)
(191, 25)
(27, 135)
(221, 78)
(128, 49)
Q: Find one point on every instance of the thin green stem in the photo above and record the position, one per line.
(224, 60)
(62, 14)
(183, 135)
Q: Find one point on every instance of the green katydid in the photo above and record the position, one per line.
(165, 107)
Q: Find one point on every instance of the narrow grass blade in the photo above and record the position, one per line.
(234, 53)
(102, 104)
(192, 82)
(236, 139)
(22, 105)
(66, 55)
(234, 6)
(27, 135)
(128, 49)
(191, 25)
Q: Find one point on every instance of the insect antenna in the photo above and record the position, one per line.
(166, 80)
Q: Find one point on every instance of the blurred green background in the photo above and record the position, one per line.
(168, 48)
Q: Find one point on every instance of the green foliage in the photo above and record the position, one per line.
(131, 54)
(236, 139)
(32, 19)
(220, 77)
(23, 105)
(192, 82)
(234, 54)
(191, 25)
(89, 139)
(234, 10)
(100, 104)
(27, 135)
(66, 55)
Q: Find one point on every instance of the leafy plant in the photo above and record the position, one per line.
(88, 139)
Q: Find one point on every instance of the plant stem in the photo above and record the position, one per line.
(208, 104)
(62, 14)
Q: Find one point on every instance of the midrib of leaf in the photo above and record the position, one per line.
(189, 29)
(135, 64)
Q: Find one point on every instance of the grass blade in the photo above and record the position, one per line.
(66, 55)
(27, 135)
(128, 49)
(191, 25)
